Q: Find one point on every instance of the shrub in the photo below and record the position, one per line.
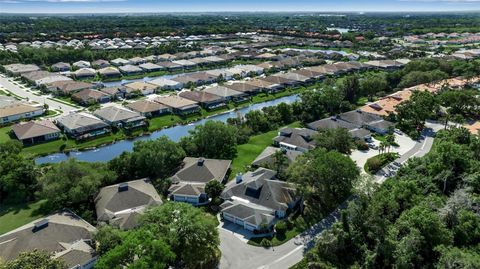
(361, 145)
(265, 243)
(281, 227)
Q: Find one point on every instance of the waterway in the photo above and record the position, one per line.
(175, 133)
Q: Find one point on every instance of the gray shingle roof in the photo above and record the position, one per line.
(196, 172)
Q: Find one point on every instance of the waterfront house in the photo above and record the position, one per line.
(85, 73)
(227, 93)
(119, 62)
(120, 117)
(179, 105)
(81, 125)
(130, 69)
(141, 87)
(149, 108)
(109, 72)
(33, 132)
(166, 84)
(205, 99)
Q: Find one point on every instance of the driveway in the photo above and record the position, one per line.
(405, 144)
(27, 93)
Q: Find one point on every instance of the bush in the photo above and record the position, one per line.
(266, 243)
(281, 227)
(374, 164)
(361, 145)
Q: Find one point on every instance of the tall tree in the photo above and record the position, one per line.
(35, 259)
(214, 139)
(335, 139)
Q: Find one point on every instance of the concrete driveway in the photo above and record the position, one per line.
(405, 144)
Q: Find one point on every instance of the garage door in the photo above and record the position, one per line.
(239, 222)
(249, 227)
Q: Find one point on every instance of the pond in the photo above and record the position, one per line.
(108, 152)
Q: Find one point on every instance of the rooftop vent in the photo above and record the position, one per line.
(201, 161)
(123, 187)
(40, 225)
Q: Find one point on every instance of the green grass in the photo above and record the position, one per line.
(277, 240)
(247, 153)
(4, 136)
(14, 216)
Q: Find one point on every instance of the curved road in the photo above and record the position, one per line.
(27, 93)
(237, 254)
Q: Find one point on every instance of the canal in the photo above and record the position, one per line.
(175, 133)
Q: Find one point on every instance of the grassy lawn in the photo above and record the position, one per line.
(4, 137)
(375, 163)
(277, 240)
(14, 216)
(247, 153)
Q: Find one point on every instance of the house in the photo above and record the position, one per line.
(63, 234)
(370, 121)
(85, 73)
(149, 108)
(299, 139)
(69, 87)
(150, 67)
(33, 132)
(170, 65)
(89, 96)
(256, 200)
(277, 80)
(205, 99)
(119, 62)
(357, 132)
(295, 77)
(18, 69)
(137, 60)
(120, 205)
(100, 64)
(51, 79)
(109, 72)
(308, 73)
(227, 93)
(141, 87)
(188, 184)
(243, 87)
(60, 67)
(179, 105)
(166, 84)
(115, 91)
(19, 110)
(130, 69)
(266, 157)
(264, 85)
(185, 63)
(80, 125)
(120, 117)
(81, 64)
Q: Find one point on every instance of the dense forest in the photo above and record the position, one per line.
(42, 27)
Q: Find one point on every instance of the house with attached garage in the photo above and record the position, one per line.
(205, 99)
(256, 200)
(299, 139)
(121, 204)
(18, 110)
(188, 184)
(64, 235)
(80, 125)
(149, 108)
(32, 132)
(179, 105)
(120, 117)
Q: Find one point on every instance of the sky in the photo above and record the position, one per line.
(136, 6)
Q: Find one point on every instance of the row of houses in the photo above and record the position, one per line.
(13, 110)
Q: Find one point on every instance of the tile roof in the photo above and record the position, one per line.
(31, 129)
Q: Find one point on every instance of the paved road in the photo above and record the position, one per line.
(236, 254)
(27, 93)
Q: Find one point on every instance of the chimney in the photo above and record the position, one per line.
(238, 178)
(200, 161)
(122, 187)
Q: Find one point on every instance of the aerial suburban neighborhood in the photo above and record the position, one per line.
(136, 134)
